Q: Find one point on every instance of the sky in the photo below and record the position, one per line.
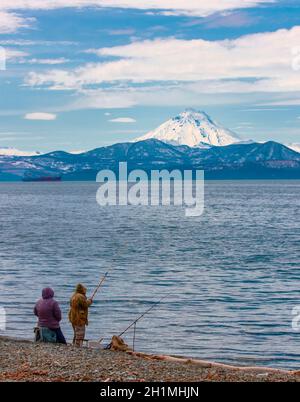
(80, 74)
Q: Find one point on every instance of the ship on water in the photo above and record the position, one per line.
(29, 178)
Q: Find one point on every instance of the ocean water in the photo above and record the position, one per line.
(233, 274)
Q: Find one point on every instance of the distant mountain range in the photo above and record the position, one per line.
(268, 160)
(191, 140)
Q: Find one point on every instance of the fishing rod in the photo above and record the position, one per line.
(140, 317)
(146, 312)
(100, 284)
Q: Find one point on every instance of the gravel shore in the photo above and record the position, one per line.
(27, 361)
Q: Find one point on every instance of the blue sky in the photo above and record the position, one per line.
(108, 71)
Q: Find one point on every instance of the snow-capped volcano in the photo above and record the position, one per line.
(192, 128)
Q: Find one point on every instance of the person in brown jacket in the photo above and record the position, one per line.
(78, 314)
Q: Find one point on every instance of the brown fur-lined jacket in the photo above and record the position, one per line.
(79, 305)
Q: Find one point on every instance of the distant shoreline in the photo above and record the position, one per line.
(206, 179)
(23, 361)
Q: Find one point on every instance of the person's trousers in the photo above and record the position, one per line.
(79, 334)
(59, 335)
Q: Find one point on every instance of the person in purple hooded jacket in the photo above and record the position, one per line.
(49, 314)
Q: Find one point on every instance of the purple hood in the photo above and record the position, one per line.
(47, 293)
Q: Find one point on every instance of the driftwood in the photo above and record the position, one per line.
(118, 344)
(207, 364)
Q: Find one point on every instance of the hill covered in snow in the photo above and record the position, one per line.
(194, 129)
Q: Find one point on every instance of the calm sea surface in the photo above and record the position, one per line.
(233, 273)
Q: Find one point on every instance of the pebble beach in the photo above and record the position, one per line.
(26, 361)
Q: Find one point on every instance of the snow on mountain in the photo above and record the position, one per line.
(294, 147)
(192, 128)
(16, 152)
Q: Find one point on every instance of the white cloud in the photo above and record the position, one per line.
(120, 32)
(22, 58)
(11, 22)
(294, 147)
(12, 54)
(60, 60)
(168, 95)
(27, 42)
(49, 62)
(40, 116)
(174, 7)
(123, 120)
(16, 152)
(288, 102)
(254, 63)
(109, 98)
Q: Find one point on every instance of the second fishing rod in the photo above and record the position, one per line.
(140, 317)
(133, 324)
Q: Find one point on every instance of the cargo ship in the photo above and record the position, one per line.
(41, 178)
